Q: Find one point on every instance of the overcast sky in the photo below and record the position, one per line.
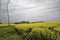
(34, 10)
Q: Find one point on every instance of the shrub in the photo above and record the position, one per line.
(25, 22)
(17, 22)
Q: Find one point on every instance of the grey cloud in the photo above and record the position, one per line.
(46, 10)
(34, 10)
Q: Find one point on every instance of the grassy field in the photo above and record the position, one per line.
(31, 31)
(7, 25)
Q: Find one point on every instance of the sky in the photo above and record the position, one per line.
(34, 10)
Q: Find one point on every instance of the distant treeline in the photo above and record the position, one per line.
(23, 22)
(38, 22)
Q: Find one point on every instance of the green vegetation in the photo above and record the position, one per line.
(8, 33)
(22, 22)
(31, 31)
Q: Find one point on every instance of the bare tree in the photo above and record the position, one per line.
(0, 12)
(8, 1)
(4, 8)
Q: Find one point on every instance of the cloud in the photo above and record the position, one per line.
(34, 10)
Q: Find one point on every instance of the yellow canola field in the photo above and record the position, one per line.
(38, 25)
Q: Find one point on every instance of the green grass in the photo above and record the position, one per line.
(8, 33)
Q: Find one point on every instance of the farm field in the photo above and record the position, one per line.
(6, 25)
(30, 31)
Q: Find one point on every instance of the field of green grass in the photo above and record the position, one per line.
(31, 31)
